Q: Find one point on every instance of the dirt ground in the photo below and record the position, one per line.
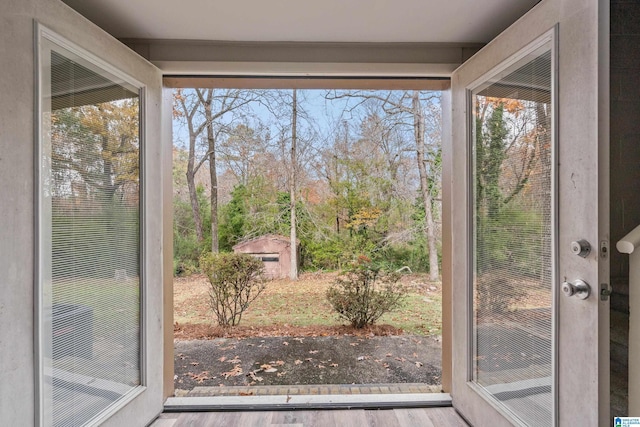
(342, 359)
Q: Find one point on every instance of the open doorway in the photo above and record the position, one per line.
(352, 176)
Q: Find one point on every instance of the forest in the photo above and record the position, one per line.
(345, 173)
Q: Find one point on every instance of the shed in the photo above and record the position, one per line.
(274, 251)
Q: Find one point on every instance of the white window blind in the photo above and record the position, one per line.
(513, 237)
(89, 237)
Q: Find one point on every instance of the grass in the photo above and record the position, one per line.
(302, 303)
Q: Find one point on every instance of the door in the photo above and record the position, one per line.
(529, 223)
(98, 290)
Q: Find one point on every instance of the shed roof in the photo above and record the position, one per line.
(276, 238)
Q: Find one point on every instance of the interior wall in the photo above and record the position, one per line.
(17, 208)
(625, 181)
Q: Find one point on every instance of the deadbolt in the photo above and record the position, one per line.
(581, 248)
(578, 287)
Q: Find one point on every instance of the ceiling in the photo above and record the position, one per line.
(438, 21)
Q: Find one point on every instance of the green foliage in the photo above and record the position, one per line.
(186, 247)
(363, 293)
(235, 281)
(95, 242)
(490, 152)
(509, 240)
(233, 219)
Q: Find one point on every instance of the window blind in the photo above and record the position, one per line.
(89, 237)
(513, 226)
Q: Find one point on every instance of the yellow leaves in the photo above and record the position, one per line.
(510, 105)
(365, 217)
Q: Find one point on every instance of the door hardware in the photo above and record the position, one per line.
(578, 287)
(605, 291)
(604, 249)
(581, 248)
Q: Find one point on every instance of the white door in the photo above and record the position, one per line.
(529, 168)
(99, 229)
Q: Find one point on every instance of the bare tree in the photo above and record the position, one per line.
(293, 274)
(186, 107)
(292, 123)
(418, 128)
(205, 109)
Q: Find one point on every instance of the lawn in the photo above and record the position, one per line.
(302, 303)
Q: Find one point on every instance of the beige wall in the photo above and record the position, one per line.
(17, 212)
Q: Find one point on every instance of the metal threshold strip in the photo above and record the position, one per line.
(300, 402)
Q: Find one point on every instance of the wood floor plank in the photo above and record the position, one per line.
(350, 418)
(424, 417)
(164, 422)
(255, 419)
(382, 418)
(320, 418)
(291, 418)
(219, 419)
(413, 417)
(190, 419)
(445, 417)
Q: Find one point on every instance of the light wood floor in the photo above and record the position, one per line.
(424, 417)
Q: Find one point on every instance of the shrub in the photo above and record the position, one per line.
(363, 293)
(497, 291)
(235, 282)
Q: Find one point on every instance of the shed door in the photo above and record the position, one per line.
(530, 222)
(272, 266)
(99, 284)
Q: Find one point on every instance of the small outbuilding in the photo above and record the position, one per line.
(274, 251)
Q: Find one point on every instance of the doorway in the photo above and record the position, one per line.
(358, 174)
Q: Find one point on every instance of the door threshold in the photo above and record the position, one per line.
(295, 402)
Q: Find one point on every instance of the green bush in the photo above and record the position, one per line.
(497, 291)
(186, 246)
(235, 282)
(363, 293)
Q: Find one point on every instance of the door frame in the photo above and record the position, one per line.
(582, 40)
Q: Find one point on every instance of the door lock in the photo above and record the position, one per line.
(578, 287)
(581, 248)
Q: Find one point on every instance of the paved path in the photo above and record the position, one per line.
(396, 388)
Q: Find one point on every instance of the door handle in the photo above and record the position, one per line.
(578, 287)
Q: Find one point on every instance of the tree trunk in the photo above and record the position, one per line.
(293, 274)
(213, 173)
(191, 176)
(418, 128)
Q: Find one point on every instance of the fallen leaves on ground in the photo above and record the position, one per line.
(201, 377)
(254, 377)
(237, 370)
